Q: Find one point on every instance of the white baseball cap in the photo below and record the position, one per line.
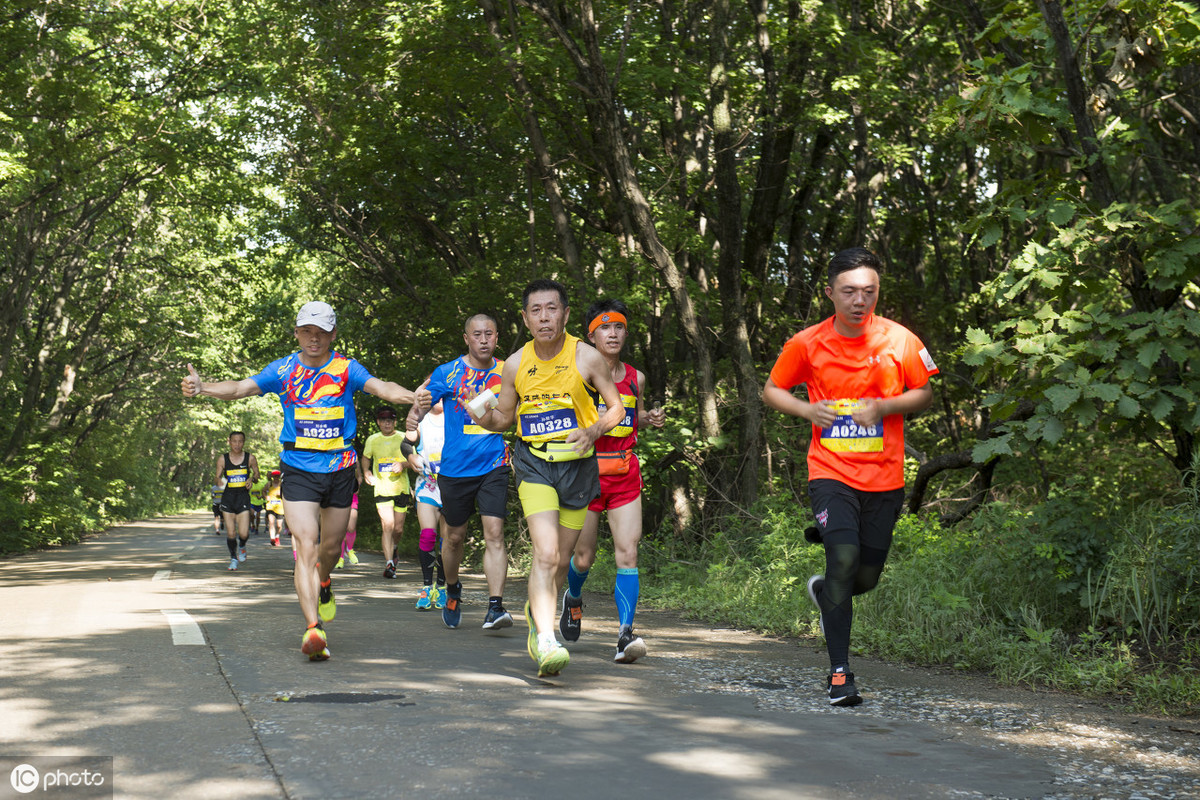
(317, 313)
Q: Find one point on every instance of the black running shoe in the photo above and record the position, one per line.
(452, 612)
(497, 618)
(842, 691)
(571, 621)
(630, 646)
(390, 570)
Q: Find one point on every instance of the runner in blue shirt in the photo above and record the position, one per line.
(316, 389)
(474, 470)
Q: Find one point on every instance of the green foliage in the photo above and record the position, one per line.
(1015, 593)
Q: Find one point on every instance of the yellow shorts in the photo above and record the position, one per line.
(538, 497)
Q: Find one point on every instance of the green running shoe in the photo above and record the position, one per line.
(313, 644)
(326, 605)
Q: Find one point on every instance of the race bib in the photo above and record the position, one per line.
(847, 436)
(547, 420)
(237, 478)
(320, 428)
(626, 425)
(389, 466)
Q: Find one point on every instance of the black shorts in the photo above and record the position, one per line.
(216, 509)
(235, 502)
(846, 515)
(329, 489)
(577, 482)
(400, 502)
(461, 497)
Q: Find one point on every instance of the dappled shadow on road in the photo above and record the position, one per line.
(408, 702)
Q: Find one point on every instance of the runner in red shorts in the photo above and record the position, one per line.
(620, 489)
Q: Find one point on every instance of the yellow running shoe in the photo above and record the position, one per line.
(351, 557)
(341, 563)
(552, 658)
(326, 605)
(313, 644)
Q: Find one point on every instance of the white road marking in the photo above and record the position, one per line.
(162, 575)
(178, 556)
(184, 629)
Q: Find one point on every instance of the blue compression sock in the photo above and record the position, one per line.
(575, 579)
(626, 594)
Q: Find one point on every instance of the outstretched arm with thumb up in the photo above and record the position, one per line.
(222, 390)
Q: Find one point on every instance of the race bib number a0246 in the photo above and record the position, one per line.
(847, 436)
(320, 428)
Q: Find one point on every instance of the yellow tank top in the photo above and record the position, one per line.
(552, 398)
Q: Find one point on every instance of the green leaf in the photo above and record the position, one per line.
(989, 448)
(1128, 408)
(1062, 396)
(1148, 353)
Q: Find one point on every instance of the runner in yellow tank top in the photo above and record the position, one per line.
(549, 389)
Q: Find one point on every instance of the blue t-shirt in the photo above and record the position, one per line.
(319, 422)
(469, 450)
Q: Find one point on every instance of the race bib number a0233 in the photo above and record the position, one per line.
(847, 436)
(320, 428)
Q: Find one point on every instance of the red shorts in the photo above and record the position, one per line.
(619, 490)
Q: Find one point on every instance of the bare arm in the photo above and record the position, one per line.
(368, 470)
(820, 414)
(220, 470)
(595, 371)
(910, 402)
(254, 467)
(501, 417)
(655, 416)
(389, 391)
(422, 403)
(222, 390)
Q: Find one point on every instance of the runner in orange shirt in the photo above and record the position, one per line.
(863, 373)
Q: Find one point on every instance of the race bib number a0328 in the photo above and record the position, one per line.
(320, 428)
(847, 436)
(547, 423)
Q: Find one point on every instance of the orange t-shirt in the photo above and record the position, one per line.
(885, 361)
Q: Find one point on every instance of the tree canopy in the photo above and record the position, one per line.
(177, 179)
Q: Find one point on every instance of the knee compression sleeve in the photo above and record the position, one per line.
(837, 605)
(428, 539)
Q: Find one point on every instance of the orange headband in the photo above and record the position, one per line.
(605, 318)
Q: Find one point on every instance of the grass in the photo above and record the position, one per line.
(1058, 595)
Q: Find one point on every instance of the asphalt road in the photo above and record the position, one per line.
(140, 645)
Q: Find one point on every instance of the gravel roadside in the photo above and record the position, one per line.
(1097, 752)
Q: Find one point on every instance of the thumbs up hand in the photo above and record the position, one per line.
(191, 383)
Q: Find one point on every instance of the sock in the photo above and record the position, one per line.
(242, 542)
(348, 542)
(455, 590)
(496, 602)
(625, 592)
(575, 579)
(547, 639)
(232, 545)
(427, 560)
